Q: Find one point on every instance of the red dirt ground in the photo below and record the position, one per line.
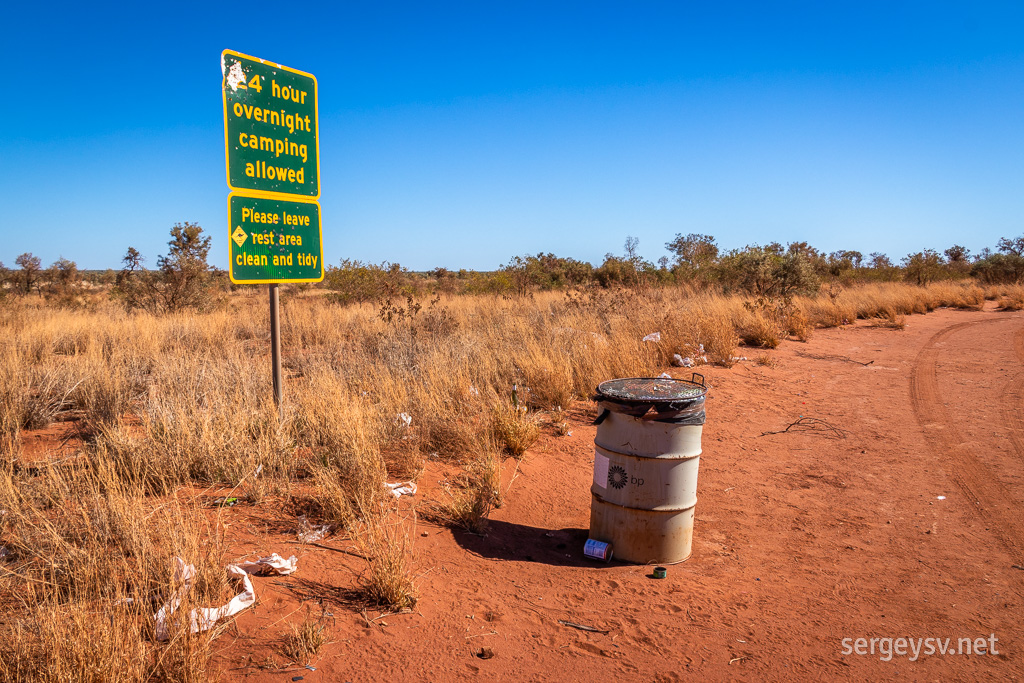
(800, 540)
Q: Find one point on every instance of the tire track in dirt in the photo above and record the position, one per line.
(1012, 400)
(982, 488)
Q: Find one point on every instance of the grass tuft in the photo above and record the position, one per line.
(469, 501)
(514, 427)
(303, 641)
(387, 581)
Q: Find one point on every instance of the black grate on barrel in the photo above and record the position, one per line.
(651, 389)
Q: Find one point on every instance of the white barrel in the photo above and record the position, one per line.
(644, 489)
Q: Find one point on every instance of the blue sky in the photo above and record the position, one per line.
(461, 134)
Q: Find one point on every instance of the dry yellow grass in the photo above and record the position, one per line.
(89, 559)
(759, 329)
(514, 427)
(387, 580)
(1012, 302)
(468, 502)
(303, 641)
(887, 300)
(889, 319)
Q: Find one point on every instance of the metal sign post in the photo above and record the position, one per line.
(272, 148)
(275, 346)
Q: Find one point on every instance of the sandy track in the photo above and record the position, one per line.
(1012, 399)
(980, 483)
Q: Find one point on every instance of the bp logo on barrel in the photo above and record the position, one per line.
(617, 477)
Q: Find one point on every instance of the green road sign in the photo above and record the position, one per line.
(271, 131)
(274, 240)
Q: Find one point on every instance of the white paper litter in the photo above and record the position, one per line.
(940, 498)
(653, 337)
(473, 391)
(204, 618)
(681, 362)
(275, 564)
(664, 375)
(402, 488)
(404, 419)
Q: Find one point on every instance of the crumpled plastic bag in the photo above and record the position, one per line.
(204, 618)
(653, 337)
(311, 533)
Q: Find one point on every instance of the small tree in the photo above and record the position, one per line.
(444, 279)
(30, 269)
(693, 252)
(771, 273)
(879, 266)
(957, 259)
(524, 272)
(182, 280)
(957, 254)
(64, 273)
(133, 260)
(1011, 247)
(631, 269)
(130, 284)
(1006, 265)
(63, 280)
(355, 281)
(839, 263)
(922, 267)
(879, 261)
(184, 273)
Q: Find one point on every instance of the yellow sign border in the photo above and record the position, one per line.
(276, 197)
(227, 154)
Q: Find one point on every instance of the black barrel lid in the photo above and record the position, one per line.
(648, 390)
